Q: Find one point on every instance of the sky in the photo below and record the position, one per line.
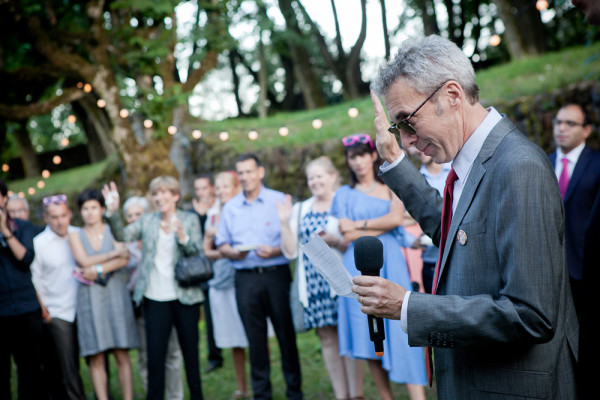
(215, 99)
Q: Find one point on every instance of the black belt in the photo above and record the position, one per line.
(261, 270)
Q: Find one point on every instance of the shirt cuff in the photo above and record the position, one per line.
(386, 166)
(404, 312)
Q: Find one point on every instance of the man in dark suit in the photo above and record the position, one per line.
(577, 169)
(502, 320)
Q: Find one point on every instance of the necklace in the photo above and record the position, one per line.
(369, 190)
(93, 236)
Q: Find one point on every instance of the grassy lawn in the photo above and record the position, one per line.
(219, 385)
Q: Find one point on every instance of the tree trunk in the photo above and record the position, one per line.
(236, 83)
(430, 25)
(524, 30)
(29, 159)
(96, 126)
(262, 79)
(386, 37)
(307, 80)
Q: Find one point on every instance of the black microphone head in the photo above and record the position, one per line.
(368, 255)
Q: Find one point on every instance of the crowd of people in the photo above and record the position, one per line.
(495, 304)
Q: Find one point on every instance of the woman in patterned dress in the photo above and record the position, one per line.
(298, 224)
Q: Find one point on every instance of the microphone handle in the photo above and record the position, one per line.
(376, 331)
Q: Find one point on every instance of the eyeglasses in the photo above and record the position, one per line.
(404, 125)
(358, 138)
(569, 123)
(56, 199)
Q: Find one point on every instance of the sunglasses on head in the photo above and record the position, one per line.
(358, 138)
(55, 199)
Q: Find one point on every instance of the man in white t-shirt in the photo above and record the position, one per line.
(52, 277)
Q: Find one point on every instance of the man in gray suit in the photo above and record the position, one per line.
(502, 321)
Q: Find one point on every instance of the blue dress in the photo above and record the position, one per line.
(404, 364)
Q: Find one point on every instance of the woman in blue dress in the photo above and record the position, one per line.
(368, 207)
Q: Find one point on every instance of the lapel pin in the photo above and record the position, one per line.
(462, 237)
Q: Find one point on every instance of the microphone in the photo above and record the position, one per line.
(368, 258)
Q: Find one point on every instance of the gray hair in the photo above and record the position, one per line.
(136, 201)
(426, 63)
(22, 199)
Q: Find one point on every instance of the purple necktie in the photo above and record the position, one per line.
(563, 180)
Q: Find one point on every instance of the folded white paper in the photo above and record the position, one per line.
(329, 266)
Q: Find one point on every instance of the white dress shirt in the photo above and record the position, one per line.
(52, 274)
(572, 156)
(462, 165)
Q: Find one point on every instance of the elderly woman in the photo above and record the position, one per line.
(166, 236)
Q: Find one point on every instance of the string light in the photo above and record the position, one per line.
(79, 85)
(72, 119)
(172, 130)
(224, 136)
(64, 142)
(196, 134)
(252, 135)
(21, 195)
(148, 123)
(353, 112)
(101, 103)
(541, 5)
(284, 131)
(56, 160)
(41, 184)
(45, 174)
(31, 191)
(5, 167)
(87, 88)
(317, 123)
(495, 40)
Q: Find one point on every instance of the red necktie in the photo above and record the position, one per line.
(446, 220)
(563, 180)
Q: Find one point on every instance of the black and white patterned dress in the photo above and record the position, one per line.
(322, 309)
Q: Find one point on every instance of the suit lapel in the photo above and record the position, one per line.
(473, 180)
(578, 171)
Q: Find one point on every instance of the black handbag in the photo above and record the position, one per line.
(192, 271)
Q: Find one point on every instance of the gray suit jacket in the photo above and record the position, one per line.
(503, 323)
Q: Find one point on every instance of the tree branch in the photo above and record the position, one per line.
(43, 107)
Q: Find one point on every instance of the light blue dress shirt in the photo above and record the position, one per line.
(255, 223)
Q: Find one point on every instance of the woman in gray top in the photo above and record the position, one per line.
(105, 319)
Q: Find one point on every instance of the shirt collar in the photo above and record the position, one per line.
(466, 156)
(261, 196)
(572, 156)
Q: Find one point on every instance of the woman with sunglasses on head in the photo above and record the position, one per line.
(104, 312)
(367, 207)
(166, 235)
(298, 224)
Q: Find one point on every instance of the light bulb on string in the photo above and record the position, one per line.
(124, 113)
(41, 184)
(45, 174)
(196, 134)
(224, 136)
(72, 118)
(31, 191)
(495, 40)
(317, 123)
(353, 112)
(252, 135)
(101, 103)
(172, 130)
(284, 131)
(541, 5)
(56, 160)
(148, 123)
(87, 88)
(5, 167)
